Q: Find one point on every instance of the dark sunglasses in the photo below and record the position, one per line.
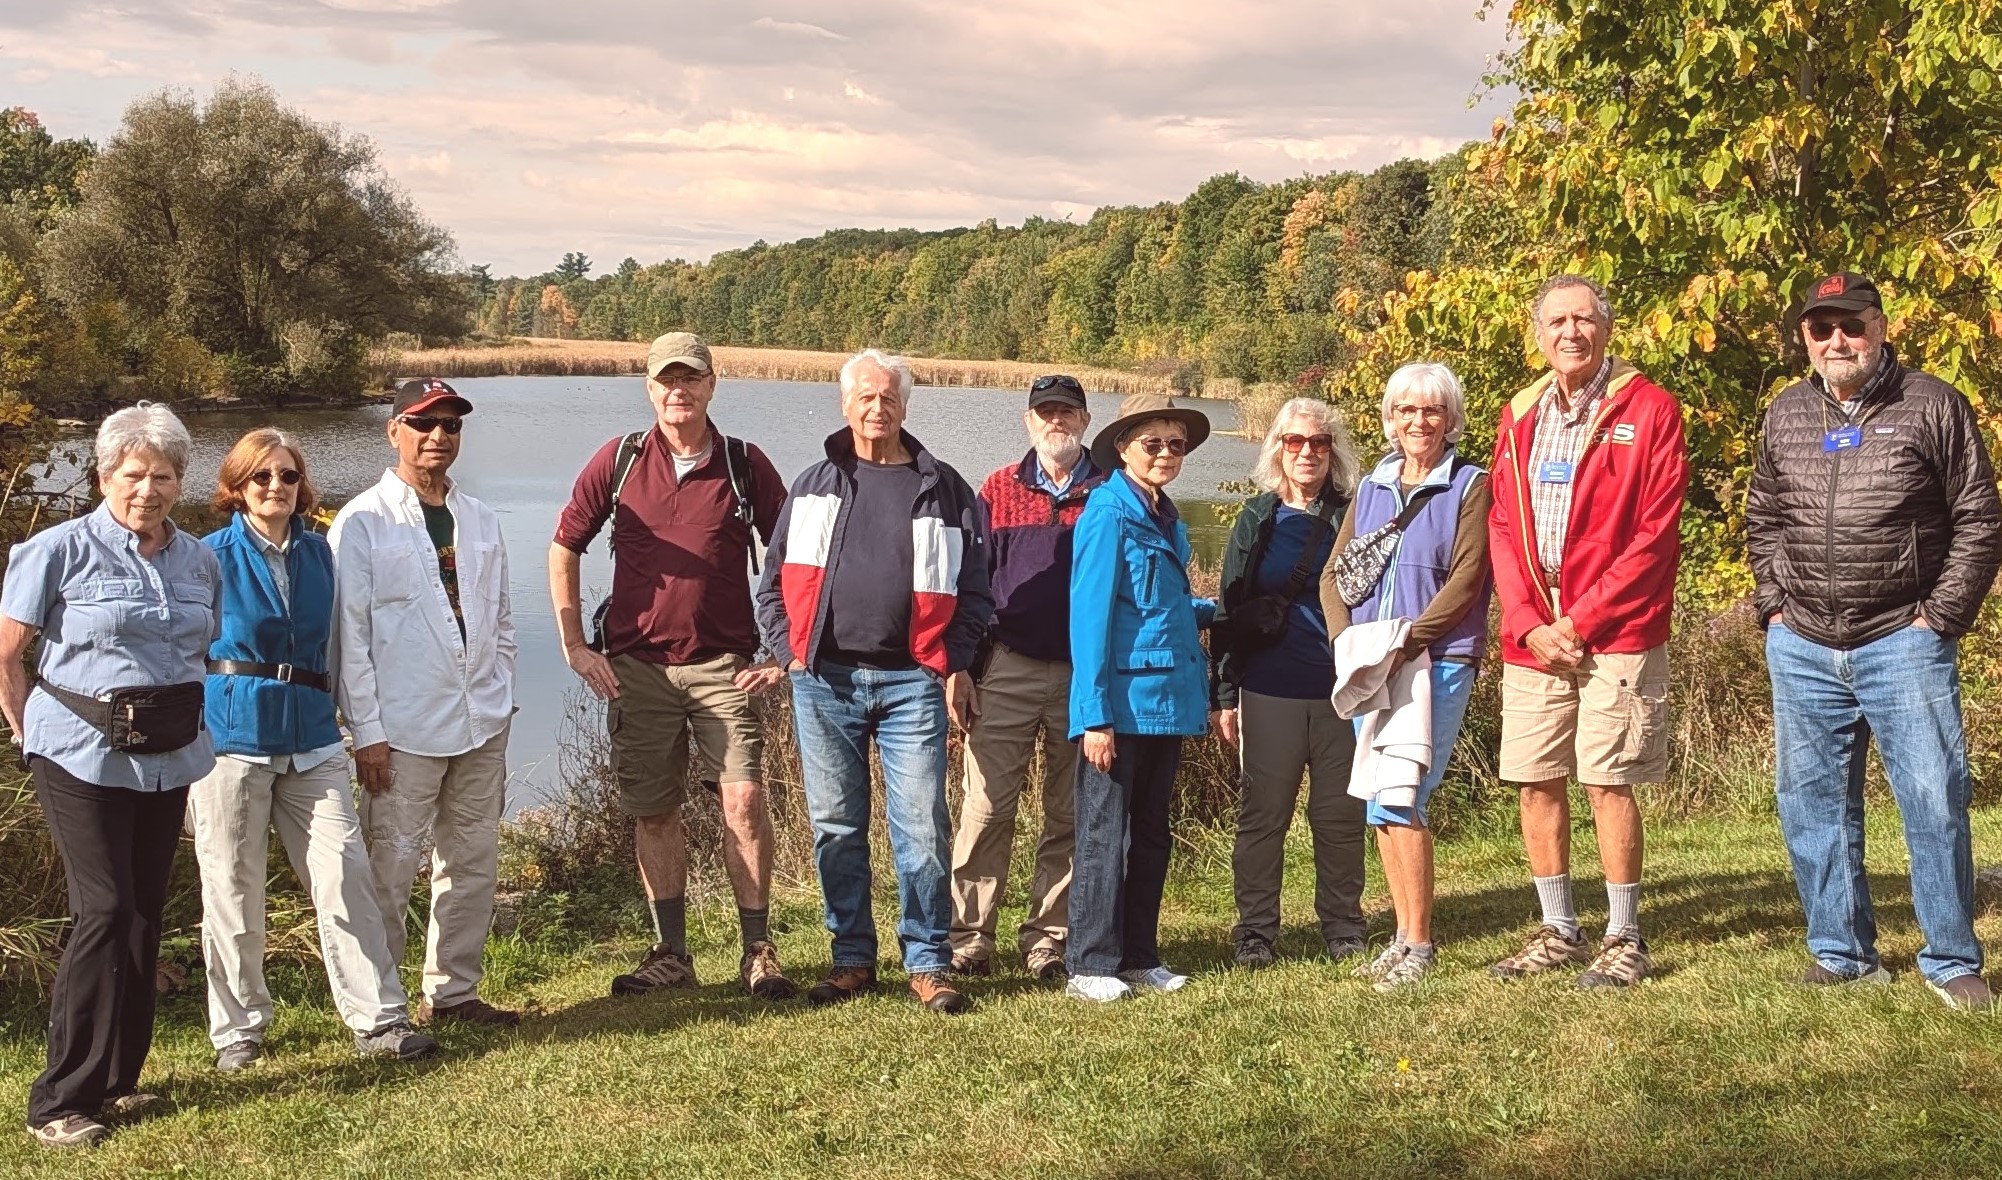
(1057, 381)
(426, 423)
(1318, 444)
(262, 479)
(1854, 328)
(1154, 446)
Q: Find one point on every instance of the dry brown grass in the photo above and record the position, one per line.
(522, 357)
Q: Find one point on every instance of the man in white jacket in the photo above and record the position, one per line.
(425, 680)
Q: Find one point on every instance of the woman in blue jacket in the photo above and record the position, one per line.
(1139, 685)
(280, 763)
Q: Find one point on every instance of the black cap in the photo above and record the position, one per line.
(1060, 388)
(1845, 290)
(419, 395)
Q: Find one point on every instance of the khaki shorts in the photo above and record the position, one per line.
(651, 719)
(1604, 723)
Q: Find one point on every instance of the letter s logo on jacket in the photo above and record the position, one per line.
(1622, 433)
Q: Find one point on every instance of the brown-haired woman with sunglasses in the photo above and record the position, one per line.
(1273, 674)
(280, 763)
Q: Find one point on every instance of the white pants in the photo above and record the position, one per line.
(450, 808)
(234, 810)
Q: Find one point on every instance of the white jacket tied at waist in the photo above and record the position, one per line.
(1394, 745)
(402, 673)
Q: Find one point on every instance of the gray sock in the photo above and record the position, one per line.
(1421, 950)
(1555, 894)
(1624, 905)
(670, 923)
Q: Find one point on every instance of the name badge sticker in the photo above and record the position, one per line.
(1884, 430)
(1553, 471)
(1846, 438)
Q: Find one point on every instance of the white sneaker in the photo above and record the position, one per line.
(1155, 979)
(1099, 989)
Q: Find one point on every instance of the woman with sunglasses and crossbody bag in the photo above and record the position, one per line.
(281, 763)
(1272, 683)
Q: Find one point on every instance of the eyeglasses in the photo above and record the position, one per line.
(263, 479)
(426, 423)
(1854, 327)
(1405, 412)
(1154, 446)
(1316, 444)
(681, 380)
(1057, 381)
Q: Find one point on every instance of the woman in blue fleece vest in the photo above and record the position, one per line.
(280, 763)
(1139, 685)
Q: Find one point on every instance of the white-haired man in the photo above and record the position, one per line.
(875, 594)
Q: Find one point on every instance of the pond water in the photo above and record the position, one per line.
(529, 436)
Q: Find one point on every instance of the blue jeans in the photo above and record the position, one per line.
(1452, 690)
(1904, 689)
(835, 714)
(1121, 864)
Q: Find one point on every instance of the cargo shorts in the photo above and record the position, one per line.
(1604, 723)
(657, 710)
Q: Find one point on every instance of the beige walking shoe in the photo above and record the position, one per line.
(1546, 950)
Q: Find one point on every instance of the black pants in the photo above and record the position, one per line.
(118, 850)
(1121, 865)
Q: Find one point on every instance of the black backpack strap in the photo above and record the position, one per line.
(737, 465)
(622, 468)
(1297, 580)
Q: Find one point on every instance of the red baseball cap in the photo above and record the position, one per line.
(418, 395)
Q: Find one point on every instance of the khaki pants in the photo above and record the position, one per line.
(1280, 741)
(234, 810)
(451, 808)
(1018, 696)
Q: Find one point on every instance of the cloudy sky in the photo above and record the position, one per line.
(675, 128)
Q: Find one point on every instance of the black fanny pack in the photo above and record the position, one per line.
(156, 719)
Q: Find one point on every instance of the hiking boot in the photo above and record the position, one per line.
(1098, 989)
(241, 1055)
(935, 991)
(129, 1107)
(843, 983)
(399, 1040)
(1820, 976)
(1621, 962)
(1046, 964)
(1546, 950)
(473, 1011)
(1380, 966)
(661, 968)
(1411, 966)
(761, 974)
(1155, 979)
(964, 963)
(1340, 950)
(1254, 952)
(1965, 993)
(71, 1130)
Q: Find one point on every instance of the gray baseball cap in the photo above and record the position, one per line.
(683, 348)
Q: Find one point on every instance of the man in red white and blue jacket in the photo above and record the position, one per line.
(876, 594)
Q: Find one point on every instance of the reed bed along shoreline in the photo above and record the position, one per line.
(527, 357)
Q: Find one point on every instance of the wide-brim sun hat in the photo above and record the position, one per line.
(1144, 407)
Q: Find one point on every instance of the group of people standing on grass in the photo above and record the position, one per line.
(1048, 615)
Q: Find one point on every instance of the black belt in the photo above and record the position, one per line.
(283, 673)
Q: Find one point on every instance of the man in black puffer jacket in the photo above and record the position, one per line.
(1875, 532)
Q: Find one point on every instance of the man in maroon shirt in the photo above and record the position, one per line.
(678, 644)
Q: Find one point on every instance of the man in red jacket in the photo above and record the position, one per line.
(1588, 479)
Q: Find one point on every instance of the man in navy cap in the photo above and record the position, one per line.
(1875, 532)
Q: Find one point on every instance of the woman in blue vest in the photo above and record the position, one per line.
(280, 763)
(1139, 685)
(1439, 579)
(1274, 674)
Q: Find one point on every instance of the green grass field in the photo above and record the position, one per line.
(1721, 1066)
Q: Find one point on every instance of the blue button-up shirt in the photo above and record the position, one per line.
(1082, 469)
(112, 619)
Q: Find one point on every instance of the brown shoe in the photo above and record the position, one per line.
(1046, 964)
(935, 991)
(842, 984)
(1546, 950)
(966, 964)
(1621, 962)
(473, 1011)
(661, 968)
(1965, 993)
(761, 975)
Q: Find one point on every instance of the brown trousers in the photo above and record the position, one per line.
(1281, 741)
(1018, 697)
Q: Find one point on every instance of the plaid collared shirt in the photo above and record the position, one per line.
(1560, 438)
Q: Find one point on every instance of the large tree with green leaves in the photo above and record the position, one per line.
(39, 174)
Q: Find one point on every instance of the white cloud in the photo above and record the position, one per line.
(622, 127)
